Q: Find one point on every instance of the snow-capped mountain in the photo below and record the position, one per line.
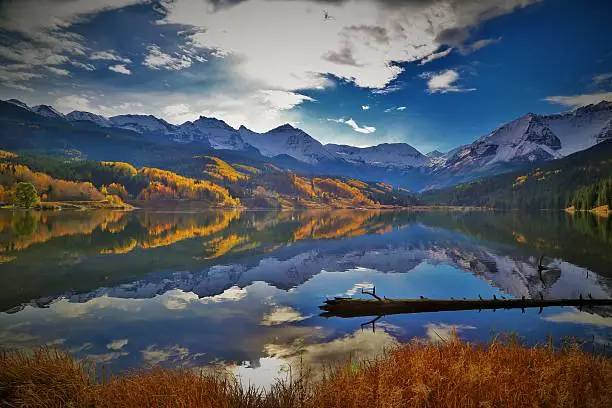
(142, 124)
(535, 137)
(386, 155)
(47, 111)
(529, 138)
(213, 131)
(99, 120)
(288, 140)
(581, 128)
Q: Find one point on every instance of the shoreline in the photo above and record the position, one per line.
(195, 206)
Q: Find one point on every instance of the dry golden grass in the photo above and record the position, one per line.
(452, 374)
(457, 374)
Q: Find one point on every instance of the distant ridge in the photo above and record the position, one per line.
(528, 139)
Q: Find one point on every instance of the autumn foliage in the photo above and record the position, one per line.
(49, 188)
(115, 189)
(338, 188)
(168, 185)
(220, 170)
(216, 183)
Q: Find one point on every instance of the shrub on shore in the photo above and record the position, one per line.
(417, 374)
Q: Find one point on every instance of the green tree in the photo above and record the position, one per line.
(25, 195)
(24, 223)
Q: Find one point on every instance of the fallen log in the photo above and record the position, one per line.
(349, 307)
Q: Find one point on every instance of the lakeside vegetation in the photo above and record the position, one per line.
(417, 374)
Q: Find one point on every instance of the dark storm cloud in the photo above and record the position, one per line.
(378, 34)
(342, 57)
(469, 12)
(453, 36)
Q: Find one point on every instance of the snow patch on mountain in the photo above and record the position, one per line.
(216, 132)
(287, 140)
(580, 128)
(535, 137)
(99, 120)
(141, 123)
(387, 155)
(47, 111)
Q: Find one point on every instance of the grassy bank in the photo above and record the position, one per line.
(417, 374)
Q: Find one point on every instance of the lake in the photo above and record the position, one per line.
(241, 289)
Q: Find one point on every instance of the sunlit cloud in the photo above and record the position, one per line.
(577, 317)
(444, 82)
(281, 315)
(157, 59)
(580, 100)
(353, 125)
(120, 69)
(441, 332)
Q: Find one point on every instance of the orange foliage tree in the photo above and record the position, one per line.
(115, 189)
(53, 189)
(167, 185)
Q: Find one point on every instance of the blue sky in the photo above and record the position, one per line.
(432, 74)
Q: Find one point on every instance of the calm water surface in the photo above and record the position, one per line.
(242, 289)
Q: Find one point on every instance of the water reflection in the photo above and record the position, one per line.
(242, 288)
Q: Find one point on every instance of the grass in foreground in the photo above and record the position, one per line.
(452, 374)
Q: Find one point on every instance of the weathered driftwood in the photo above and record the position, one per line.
(348, 307)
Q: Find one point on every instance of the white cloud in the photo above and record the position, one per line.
(19, 87)
(12, 76)
(43, 26)
(236, 107)
(58, 71)
(478, 45)
(280, 315)
(580, 100)
(178, 113)
(365, 107)
(121, 69)
(284, 100)
(179, 300)
(444, 82)
(580, 318)
(154, 355)
(388, 89)
(358, 287)
(109, 55)
(601, 78)
(441, 332)
(157, 59)
(435, 56)
(117, 344)
(399, 108)
(70, 103)
(87, 67)
(301, 49)
(355, 126)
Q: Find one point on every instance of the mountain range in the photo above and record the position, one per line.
(146, 140)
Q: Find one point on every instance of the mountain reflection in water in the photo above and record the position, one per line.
(241, 289)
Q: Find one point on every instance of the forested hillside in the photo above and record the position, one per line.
(220, 184)
(582, 180)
